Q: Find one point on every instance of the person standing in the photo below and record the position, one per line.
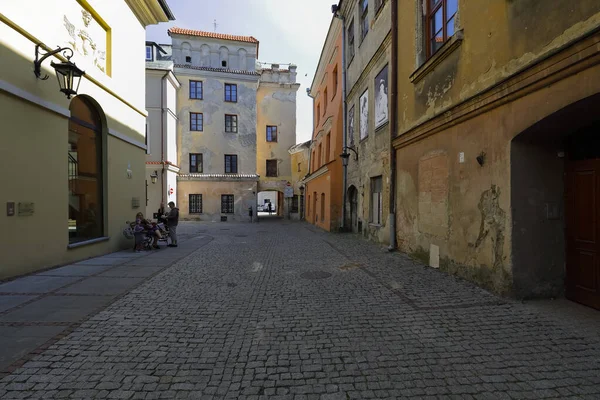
(270, 208)
(172, 221)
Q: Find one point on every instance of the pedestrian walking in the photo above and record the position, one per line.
(172, 221)
(270, 208)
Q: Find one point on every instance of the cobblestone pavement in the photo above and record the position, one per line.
(281, 310)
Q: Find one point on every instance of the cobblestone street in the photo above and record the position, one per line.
(282, 310)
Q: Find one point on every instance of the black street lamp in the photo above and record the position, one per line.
(67, 73)
(345, 155)
(154, 177)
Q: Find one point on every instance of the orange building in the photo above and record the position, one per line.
(324, 189)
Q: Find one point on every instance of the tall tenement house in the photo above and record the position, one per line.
(494, 122)
(235, 125)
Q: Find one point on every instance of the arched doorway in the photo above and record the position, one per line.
(555, 201)
(353, 208)
(270, 204)
(86, 219)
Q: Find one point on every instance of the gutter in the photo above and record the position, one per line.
(344, 120)
(393, 125)
(166, 10)
(162, 136)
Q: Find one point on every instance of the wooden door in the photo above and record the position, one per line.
(583, 231)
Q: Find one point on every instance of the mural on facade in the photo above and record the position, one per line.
(86, 36)
(364, 115)
(351, 127)
(381, 97)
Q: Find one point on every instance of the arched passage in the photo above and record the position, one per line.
(85, 171)
(555, 198)
(270, 203)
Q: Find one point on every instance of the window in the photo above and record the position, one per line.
(318, 113)
(351, 42)
(327, 147)
(376, 200)
(322, 207)
(231, 166)
(299, 166)
(224, 64)
(364, 18)
(195, 202)
(231, 123)
(188, 59)
(148, 53)
(85, 164)
(441, 16)
(325, 101)
(320, 160)
(314, 160)
(271, 133)
(335, 81)
(378, 5)
(308, 206)
(231, 92)
(196, 122)
(295, 203)
(271, 168)
(196, 163)
(196, 90)
(226, 204)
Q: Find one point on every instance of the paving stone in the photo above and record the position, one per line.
(235, 318)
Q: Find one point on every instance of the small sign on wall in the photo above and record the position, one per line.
(10, 209)
(26, 209)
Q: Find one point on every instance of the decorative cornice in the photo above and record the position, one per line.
(219, 177)
(150, 12)
(566, 61)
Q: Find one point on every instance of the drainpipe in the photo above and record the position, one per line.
(344, 138)
(162, 137)
(309, 148)
(393, 124)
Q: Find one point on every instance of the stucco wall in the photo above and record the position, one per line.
(213, 142)
(211, 191)
(38, 103)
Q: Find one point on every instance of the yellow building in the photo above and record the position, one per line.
(299, 159)
(73, 168)
(497, 143)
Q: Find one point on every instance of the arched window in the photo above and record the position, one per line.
(86, 219)
(186, 52)
(224, 57)
(242, 59)
(205, 56)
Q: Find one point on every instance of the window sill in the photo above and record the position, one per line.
(88, 242)
(374, 225)
(380, 127)
(448, 48)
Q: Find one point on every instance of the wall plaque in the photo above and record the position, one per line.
(25, 209)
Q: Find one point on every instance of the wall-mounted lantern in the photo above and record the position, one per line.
(154, 177)
(67, 73)
(481, 159)
(345, 155)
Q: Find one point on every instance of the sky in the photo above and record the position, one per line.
(288, 32)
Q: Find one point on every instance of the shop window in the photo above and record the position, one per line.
(86, 204)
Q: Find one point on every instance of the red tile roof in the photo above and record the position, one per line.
(214, 35)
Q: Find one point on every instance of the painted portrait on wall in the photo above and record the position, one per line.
(364, 114)
(381, 97)
(351, 127)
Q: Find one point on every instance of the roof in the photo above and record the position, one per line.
(226, 70)
(166, 9)
(213, 35)
(299, 147)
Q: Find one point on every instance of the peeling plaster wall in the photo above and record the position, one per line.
(373, 155)
(477, 243)
(520, 32)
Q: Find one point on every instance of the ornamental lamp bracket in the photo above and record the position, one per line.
(67, 73)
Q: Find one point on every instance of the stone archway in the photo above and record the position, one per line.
(542, 157)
